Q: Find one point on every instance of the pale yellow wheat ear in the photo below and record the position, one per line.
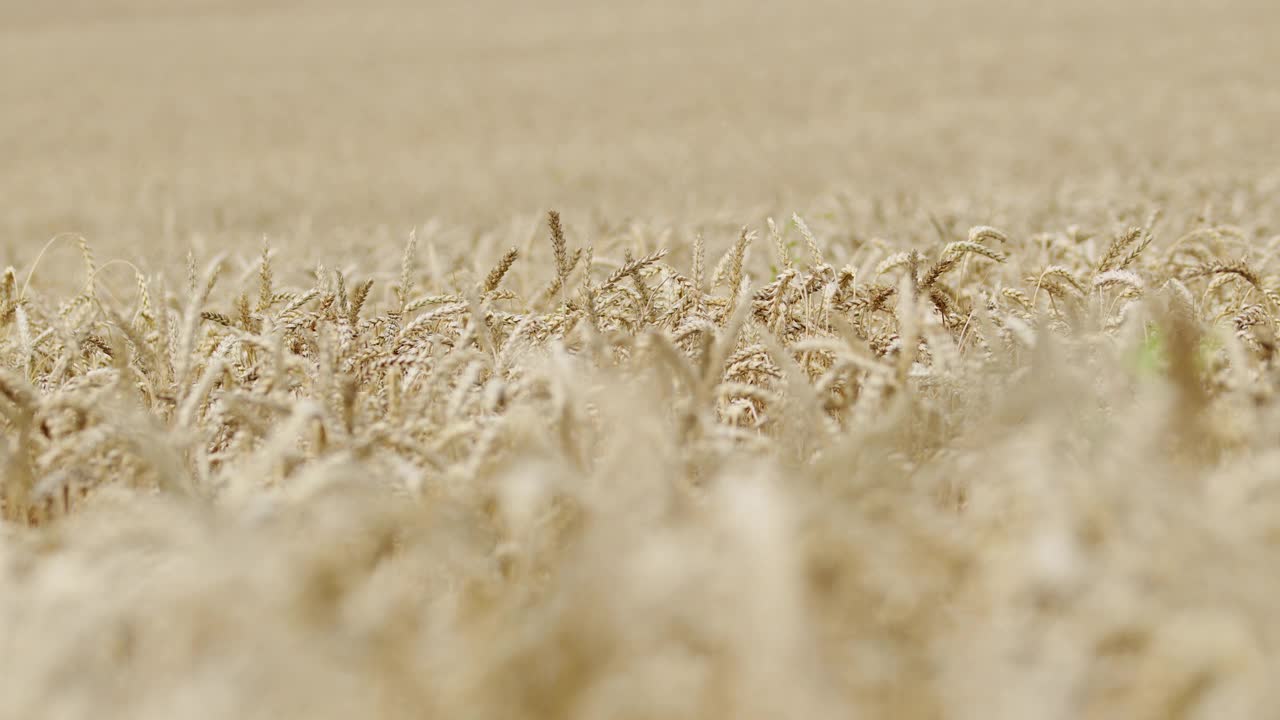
(1127, 279)
(735, 260)
(358, 298)
(560, 250)
(90, 265)
(191, 272)
(987, 234)
(811, 242)
(718, 354)
(893, 262)
(957, 249)
(781, 252)
(9, 283)
(499, 271)
(404, 289)
(950, 258)
(565, 264)
(1123, 250)
(699, 260)
(266, 279)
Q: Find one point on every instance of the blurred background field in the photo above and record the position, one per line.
(139, 122)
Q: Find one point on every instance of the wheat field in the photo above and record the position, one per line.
(673, 360)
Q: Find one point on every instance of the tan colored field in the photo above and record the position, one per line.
(911, 361)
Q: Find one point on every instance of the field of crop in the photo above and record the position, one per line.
(673, 360)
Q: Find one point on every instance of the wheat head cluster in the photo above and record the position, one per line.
(757, 472)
